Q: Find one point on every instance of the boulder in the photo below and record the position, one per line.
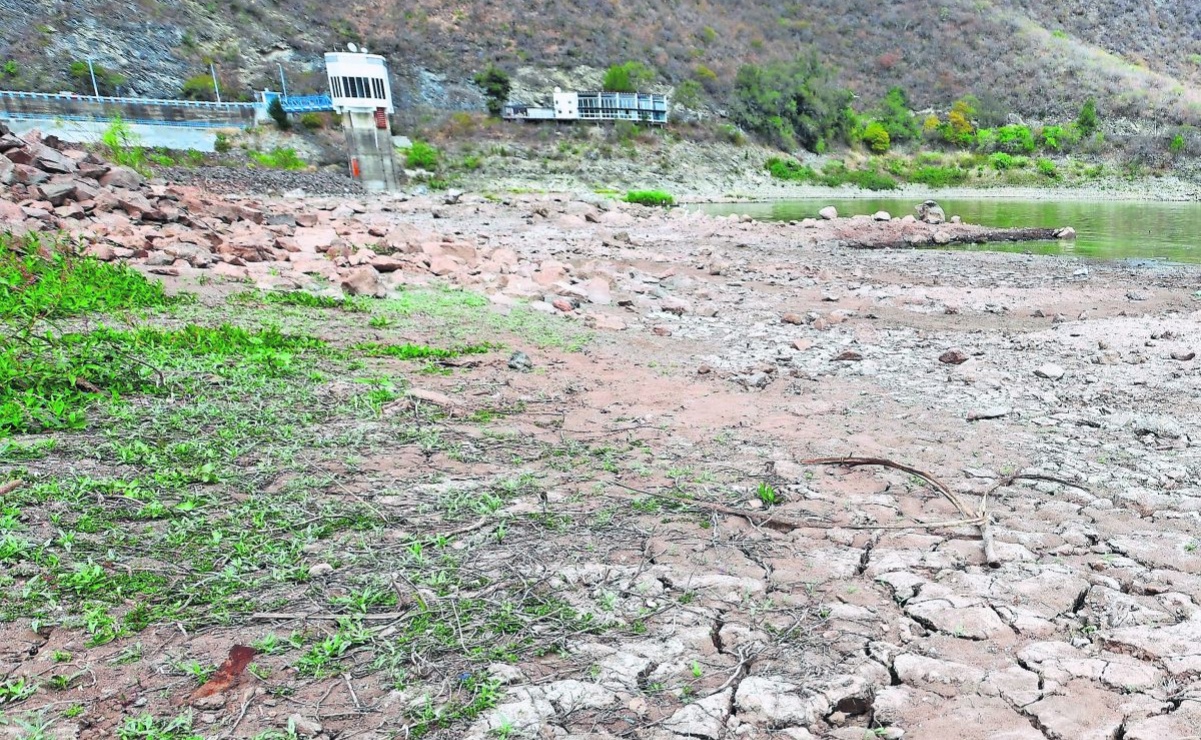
(829, 213)
(55, 192)
(122, 177)
(930, 212)
(362, 281)
(6, 170)
(882, 216)
(1066, 232)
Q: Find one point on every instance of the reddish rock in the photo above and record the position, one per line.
(362, 281)
(11, 212)
(953, 357)
(122, 177)
(662, 331)
(443, 264)
(306, 219)
(28, 175)
(383, 263)
(7, 175)
(102, 252)
(848, 355)
(792, 318)
(563, 305)
(314, 239)
(677, 306)
(605, 322)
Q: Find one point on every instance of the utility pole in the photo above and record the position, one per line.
(92, 70)
(216, 85)
(282, 81)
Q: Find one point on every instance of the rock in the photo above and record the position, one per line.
(1066, 232)
(1183, 356)
(829, 213)
(930, 212)
(605, 322)
(941, 237)
(363, 280)
(1050, 371)
(11, 212)
(521, 362)
(102, 252)
(991, 412)
(305, 726)
(953, 357)
(673, 305)
(956, 220)
(563, 304)
(776, 702)
(306, 220)
(792, 318)
(661, 330)
(122, 177)
(848, 355)
(704, 719)
(598, 291)
(6, 170)
(314, 239)
(320, 569)
(881, 216)
(1138, 295)
(451, 197)
(384, 263)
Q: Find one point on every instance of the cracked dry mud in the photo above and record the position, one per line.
(722, 376)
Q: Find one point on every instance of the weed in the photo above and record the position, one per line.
(299, 298)
(767, 494)
(124, 146)
(16, 690)
(147, 727)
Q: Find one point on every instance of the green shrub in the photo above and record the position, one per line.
(9, 70)
(1047, 168)
(876, 137)
(107, 81)
(422, 156)
(199, 87)
(790, 169)
(1177, 145)
(1001, 161)
(222, 144)
(896, 118)
(1059, 138)
(732, 134)
(650, 198)
(687, 94)
(279, 158)
(938, 177)
(1015, 139)
(312, 121)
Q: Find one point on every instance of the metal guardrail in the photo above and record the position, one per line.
(134, 101)
(102, 119)
(307, 103)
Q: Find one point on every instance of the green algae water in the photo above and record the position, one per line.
(1105, 230)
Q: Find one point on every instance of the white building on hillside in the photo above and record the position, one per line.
(361, 94)
(594, 106)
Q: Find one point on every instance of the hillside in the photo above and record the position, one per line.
(1037, 59)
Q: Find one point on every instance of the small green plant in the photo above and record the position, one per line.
(82, 75)
(62, 656)
(279, 158)
(876, 137)
(9, 70)
(312, 121)
(222, 144)
(124, 146)
(767, 494)
(15, 690)
(650, 198)
(147, 727)
(628, 77)
(1046, 168)
(422, 156)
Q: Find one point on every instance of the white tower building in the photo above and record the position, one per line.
(362, 95)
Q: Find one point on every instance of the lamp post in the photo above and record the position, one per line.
(92, 70)
(216, 85)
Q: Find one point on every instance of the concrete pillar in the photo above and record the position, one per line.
(372, 155)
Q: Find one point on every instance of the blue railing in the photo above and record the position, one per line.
(307, 103)
(135, 101)
(104, 119)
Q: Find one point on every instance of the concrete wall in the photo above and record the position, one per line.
(183, 113)
(89, 132)
(371, 150)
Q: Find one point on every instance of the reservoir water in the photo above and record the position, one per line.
(1107, 230)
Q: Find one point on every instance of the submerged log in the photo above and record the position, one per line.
(861, 234)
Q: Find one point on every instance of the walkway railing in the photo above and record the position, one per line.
(134, 101)
(103, 119)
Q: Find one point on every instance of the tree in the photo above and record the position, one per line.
(894, 115)
(278, 114)
(875, 135)
(1087, 120)
(960, 129)
(793, 103)
(496, 85)
(628, 77)
(687, 95)
(199, 87)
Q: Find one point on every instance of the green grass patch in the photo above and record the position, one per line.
(279, 158)
(419, 351)
(299, 298)
(650, 198)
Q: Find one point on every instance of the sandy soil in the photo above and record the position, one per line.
(729, 353)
